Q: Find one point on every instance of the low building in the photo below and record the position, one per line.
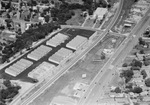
(42, 71)
(79, 86)
(136, 10)
(57, 40)
(99, 13)
(61, 56)
(18, 67)
(108, 52)
(77, 43)
(39, 52)
(127, 25)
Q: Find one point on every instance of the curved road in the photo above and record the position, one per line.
(30, 98)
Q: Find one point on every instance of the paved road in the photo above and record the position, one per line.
(106, 74)
(66, 68)
(85, 98)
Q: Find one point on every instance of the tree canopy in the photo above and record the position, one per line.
(147, 82)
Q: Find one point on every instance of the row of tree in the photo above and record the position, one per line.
(35, 33)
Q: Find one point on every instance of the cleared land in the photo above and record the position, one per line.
(64, 85)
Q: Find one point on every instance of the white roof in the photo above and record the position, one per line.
(100, 12)
(10, 72)
(60, 55)
(42, 70)
(64, 52)
(77, 42)
(79, 86)
(18, 67)
(39, 52)
(56, 58)
(57, 40)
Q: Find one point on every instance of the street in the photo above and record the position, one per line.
(105, 76)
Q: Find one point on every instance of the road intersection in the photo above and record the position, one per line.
(104, 77)
(51, 81)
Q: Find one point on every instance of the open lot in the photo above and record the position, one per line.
(89, 22)
(77, 19)
(88, 65)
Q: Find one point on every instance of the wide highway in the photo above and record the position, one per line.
(30, 98)
(97, 87)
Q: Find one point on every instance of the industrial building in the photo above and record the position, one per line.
(77, 43)
(99, 13)
(42, 71)
(39, 52)
(61, 56)
(57, 40)
(18, 67)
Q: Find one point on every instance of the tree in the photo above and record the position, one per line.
(129, 85)
(136, 63)
(143, 72)
(137, 90)
(147, 82)
(142, 51)
(141, 41)
(103, 56)
(47, 18)
(125, 65)
(146, 62)
(117, 90)
(135, 68)
(7, 83)
(127, 74)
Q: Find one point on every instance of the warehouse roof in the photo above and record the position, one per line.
(64, 52)
(56, 58)
(42, 70)
(16, 68)
(60, 55)
(39, 52)
(77, 42)
(57, 40)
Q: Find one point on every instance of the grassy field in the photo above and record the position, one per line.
(77, 19)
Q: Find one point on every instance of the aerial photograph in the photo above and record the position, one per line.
(74, 52)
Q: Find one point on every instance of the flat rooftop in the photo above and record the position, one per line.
(77, 42)
(23, 76)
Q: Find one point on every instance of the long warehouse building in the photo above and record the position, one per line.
(61, 56)
(77, 43)
(39, 52)
(18, 67)
(57, 40)
(42, 71)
